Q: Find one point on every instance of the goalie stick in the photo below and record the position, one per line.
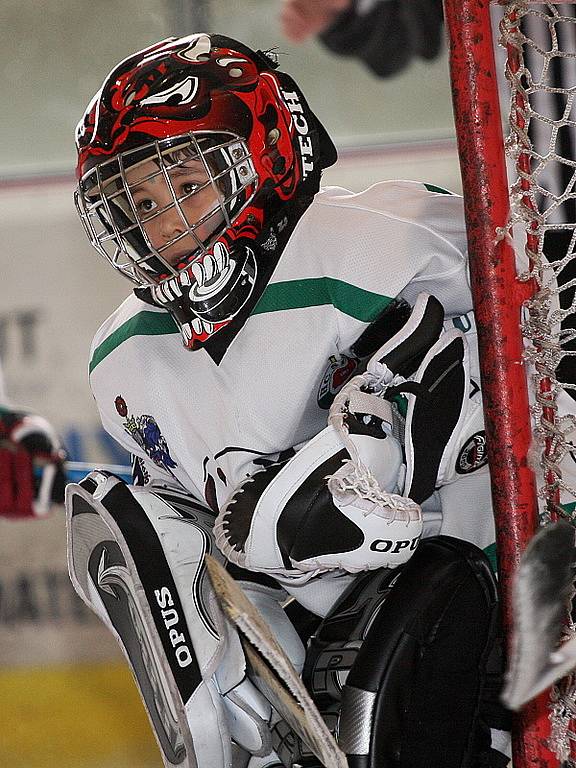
(541, 593)
(273, 671)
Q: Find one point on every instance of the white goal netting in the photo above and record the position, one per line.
(540, 40)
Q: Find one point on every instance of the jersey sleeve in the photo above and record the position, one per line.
(104, 379)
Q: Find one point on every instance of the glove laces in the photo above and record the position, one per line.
(354, 477)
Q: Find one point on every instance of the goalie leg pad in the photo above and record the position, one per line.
(136, 558)
(420, 672)
(406, 652)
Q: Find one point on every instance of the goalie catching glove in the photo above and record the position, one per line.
(349, 499)
(323, 508)
(31, 465)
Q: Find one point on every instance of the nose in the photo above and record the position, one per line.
(171, 224)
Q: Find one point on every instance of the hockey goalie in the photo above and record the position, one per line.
(402, 618)
(296, 377)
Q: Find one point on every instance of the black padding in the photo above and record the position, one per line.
(423, 657)
(413, 343)
(434, 418)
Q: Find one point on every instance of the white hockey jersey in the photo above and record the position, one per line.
(207, 425)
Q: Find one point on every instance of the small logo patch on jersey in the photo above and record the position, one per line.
(473, 455)
(339, 370)
(146, 433)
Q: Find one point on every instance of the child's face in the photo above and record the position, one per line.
(165, 225)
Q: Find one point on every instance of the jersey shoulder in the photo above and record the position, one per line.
(396, 198)
(406, 215)
(386, 218)
(133, 317)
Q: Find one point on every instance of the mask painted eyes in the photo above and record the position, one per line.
(181, 93)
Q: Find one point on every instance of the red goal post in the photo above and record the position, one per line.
(522, 246)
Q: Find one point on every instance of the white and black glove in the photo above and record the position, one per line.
(425, 370)
(334, 505)
(31, 465)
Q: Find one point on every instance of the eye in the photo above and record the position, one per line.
(189, 187)
(146, 205)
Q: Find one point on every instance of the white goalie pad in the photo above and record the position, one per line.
(136, 558)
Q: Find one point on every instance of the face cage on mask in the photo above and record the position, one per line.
(117, 231)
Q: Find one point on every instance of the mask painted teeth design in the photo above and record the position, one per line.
(201, 326)
(209, 293)
(197, 329)
(211, 272)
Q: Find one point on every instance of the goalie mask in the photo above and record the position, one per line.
(195, 161)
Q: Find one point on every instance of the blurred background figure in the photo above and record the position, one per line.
(301, 20)
(31, 462)
(385, 35)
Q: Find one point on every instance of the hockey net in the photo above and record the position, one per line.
(520, 197)
(540, 41)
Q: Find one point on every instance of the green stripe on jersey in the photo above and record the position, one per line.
(291, 294)
(492, 555)
(439, 190)
(142, 324)
(316, 291)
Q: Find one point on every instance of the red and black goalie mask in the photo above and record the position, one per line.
(195, 161)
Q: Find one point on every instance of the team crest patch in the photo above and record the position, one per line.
(339, 370)
(146, 433)
(473, 455)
